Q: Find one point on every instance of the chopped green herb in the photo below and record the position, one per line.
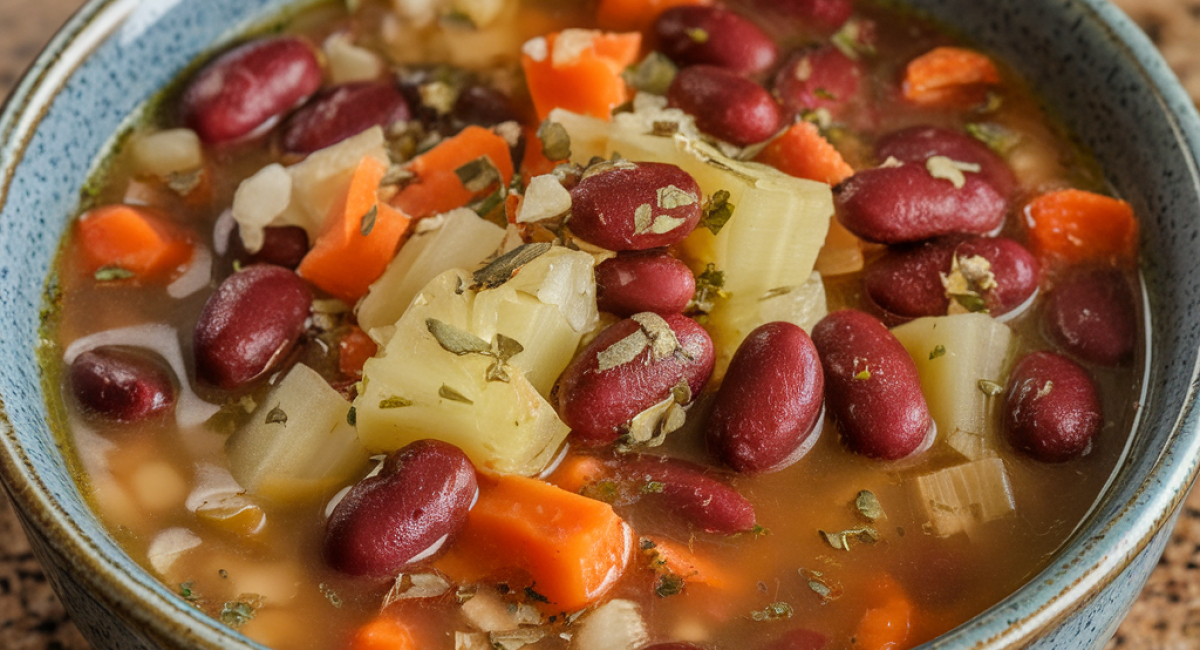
(183, 183)
(112, 273)
(998, 138)
(717, 212)
(455, 340)
(352, 416)
(186, 589)
(479, 174)
(938, 351)
(653, 487)
(826, 589)
(841, 540)
(276, 416)
(459, 19)
(556, 142)
(502, 269)
(237, 613)
(653, 75)
(863, 374)
(668, 585)
(330, 595)
(990, 388)
(698, 35)
(821, 93)
(534, 596)
(867, 505)
(773, 612)
(972, 302)
(709, 287)
(394, 402)
(368, 221)
(446, 392)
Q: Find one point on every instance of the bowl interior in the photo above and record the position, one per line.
(1088, 62)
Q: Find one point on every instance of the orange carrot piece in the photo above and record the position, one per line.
(580, 71)
(354, 348)
(350, 252)
(571, 548)
(670, 557)
(636, 15)
(576, 471)
(949, 77)
(133, 238)
(1075, 226)
(803, 152)
(438, 188)
(888, 619)
(383, 633)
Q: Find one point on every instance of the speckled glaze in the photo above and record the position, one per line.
(1092, 66)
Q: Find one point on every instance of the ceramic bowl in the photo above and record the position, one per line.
(1089, 63)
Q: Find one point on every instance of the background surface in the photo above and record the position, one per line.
(1167, 617)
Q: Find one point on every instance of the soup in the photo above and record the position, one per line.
(596, 325)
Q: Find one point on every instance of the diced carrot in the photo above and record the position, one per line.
(571, 549)
(577, 471)
(842, 252)
(803, 152)
(383, 633)
(636, 15)
(132, 238)
(949, 77)
(359, 238)
(438, 187)
(670, 557)
(888, 619)
(1074, 226)
(579, 70)
(354, 348)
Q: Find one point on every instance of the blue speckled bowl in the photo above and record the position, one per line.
(1084, 57)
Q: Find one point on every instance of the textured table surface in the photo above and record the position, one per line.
(1166, 617)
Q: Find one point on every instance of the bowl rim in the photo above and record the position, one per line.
(28, 102)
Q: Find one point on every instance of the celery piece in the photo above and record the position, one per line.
(297, 444)
(952, 354)
(615, 625)
(959, 498)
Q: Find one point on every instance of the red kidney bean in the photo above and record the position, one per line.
(726, 106)
(822, 16)
(636, 206)
(283, 246)
(871, 386)
(1092, 316)
(699, 34)
(611, 381)
(821, 77)
(249, 325)
(800, 639)
(687, 492)
(919, 143)
(907, 283)
(249, 86)
(484, 106)
(1052, 408)
(121, 384)
(405, 514)
(769, 402)
(895, 205)
(343, 112)
(639, 281)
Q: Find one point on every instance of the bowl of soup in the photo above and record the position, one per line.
(518, 323)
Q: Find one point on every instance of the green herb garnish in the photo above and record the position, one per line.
(112, 273)
(938, 351)
(717, 212)
(393, 402)
(773, 612)
(276, 416)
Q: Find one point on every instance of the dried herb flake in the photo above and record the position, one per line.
(841, 540)
(237, 613)
(112, 273)
(479, 174)
(446, 392)
(717, 212)
(455, 340)
(668, 584)
(394, 402)
(773, 612)
(867, 505)
(503, 268)
(368, 221)
(556, 142)
(990, 388)
(938, 351)
(277, 416)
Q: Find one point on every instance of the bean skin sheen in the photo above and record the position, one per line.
(920, 143)
(872, 389)
(636, 206)
(121, 385)
(1092, 316)
(691, 494)
(640, 281)
(1052, 408)
(700, 34)
(342, 112)
(770, 401)
(726, 105)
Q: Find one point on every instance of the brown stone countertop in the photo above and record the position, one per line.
(1166, 617)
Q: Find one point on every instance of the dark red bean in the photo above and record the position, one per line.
(685, 491)
(907, 283)
(822, 77)
(249, 325)
(484, 106)
(636, 206)
(1052, 408)
(800, 639)
(1092, 316)
(343, 112)
(871, 386)
(919, 143)
(639, 281)
(769, 403)
(895, 205)
(248, 87)
(283, 246)
(404, 515)
(726, 106)
(614, 379)
(698, 34)
(822, 16)
(121, 384)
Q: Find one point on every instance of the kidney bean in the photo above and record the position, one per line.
(636, 206)
(1092, 316)
(250, 86)
(895, 205)
(1052, 408)
(815, 78)
(121, 384)
(249, 325)
(822, 16)
(871, 386)
(343, 112)
(639, 281)
(686, 491)
(919, 143)
(405, 514)
(769, 402)
(800, 639)
(484, 106)
(726, 106)
(907, 283)
(699, 34)
(615, 378)
(283, 246)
